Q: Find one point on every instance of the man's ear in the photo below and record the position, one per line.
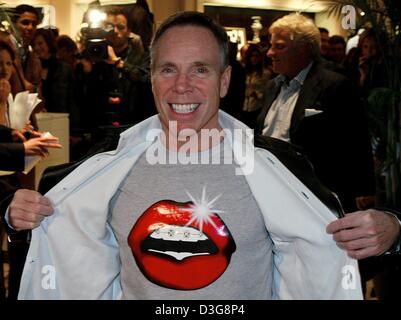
(225, 81)
(304, 50)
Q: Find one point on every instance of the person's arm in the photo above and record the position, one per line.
(12, 157)
(367, 233)
(5, 134)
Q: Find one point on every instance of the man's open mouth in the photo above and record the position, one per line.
(179, 242)
(184, 108)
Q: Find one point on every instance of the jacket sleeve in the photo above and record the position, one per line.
(6, 192)
(295, 161)
(12, 157)
(5, 134)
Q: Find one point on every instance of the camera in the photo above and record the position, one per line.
(95, 44)
(95, 34)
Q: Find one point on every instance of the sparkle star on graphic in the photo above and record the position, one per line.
(202, 210)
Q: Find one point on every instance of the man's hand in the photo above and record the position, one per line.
(365, 233)
(27, 210)
(86, 65)
(112, 57)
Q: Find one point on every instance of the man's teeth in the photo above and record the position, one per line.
(185, 108)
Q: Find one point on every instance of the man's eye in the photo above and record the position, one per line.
(201, 70)
(167, 70)
(28, 22)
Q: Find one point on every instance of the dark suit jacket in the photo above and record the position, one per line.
(336, 141)
(12, 155)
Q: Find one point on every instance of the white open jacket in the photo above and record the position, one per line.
(78, 244)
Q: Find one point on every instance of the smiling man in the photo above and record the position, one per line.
(137, 230)
(188, 84)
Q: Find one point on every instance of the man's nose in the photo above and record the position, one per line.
(182, 83)
(270, 52)
(30, 26)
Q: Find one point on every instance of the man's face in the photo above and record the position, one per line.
(369, 48)
(121, 31)
(187, 80)
(26, 25)
(324, 43)
(283, 54)
(337, 52)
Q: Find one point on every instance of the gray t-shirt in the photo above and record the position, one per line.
(208, 249)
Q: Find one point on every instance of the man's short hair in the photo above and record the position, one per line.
(323, 30)
(337, 40)
(302, 30)
(198, 19)
(116, 11)
(19, 10)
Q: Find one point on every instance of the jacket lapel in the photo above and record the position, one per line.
(308, 96)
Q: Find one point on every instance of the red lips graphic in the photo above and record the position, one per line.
(173, 253)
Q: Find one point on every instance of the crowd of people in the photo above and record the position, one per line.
(305, 98)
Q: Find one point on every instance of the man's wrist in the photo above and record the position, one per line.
(119, 63)
(395, 249)
(14, 236)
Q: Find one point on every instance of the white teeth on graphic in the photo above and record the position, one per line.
(178, 233)
(185, 108)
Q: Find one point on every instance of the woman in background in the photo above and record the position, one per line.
(57, 75)
(256, 79)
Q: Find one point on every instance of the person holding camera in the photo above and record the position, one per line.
(113, 84)
(95, 80)
(132, 64)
